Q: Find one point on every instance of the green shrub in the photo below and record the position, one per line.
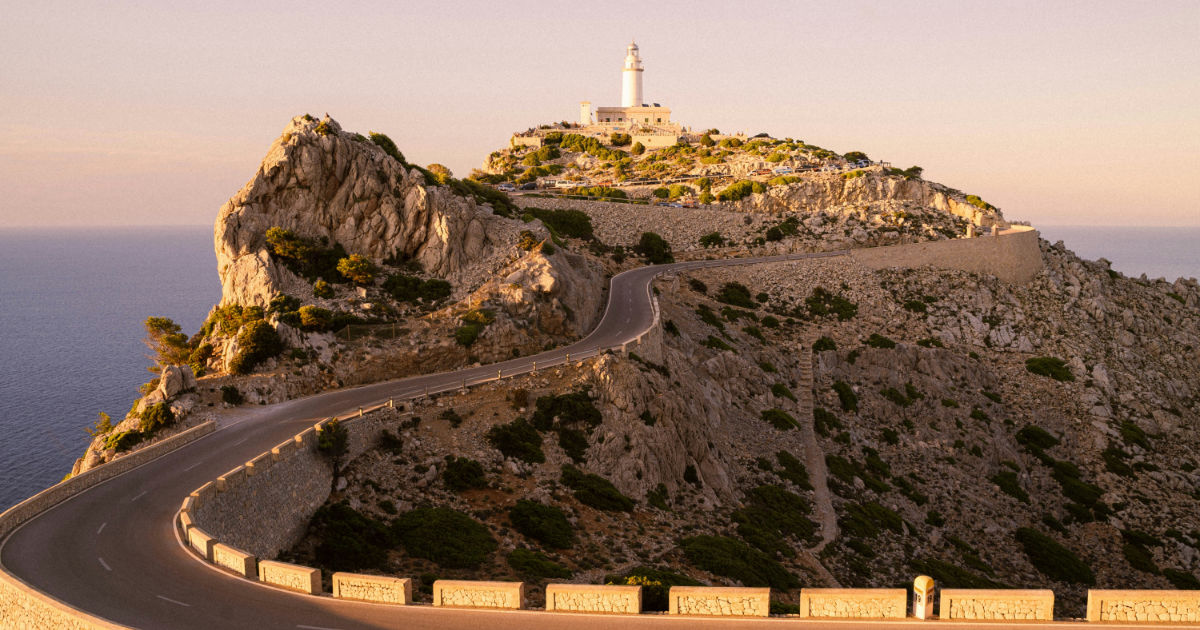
(1036, 437)
(867, 520)
(916, 306)
(856, 156)
(568, 223)
(1140, 558)
(951, 576)
(709, 317)
(823, 421)
(170, 345)
(712, 239)
(155, 417)
(449, 538)
(740, 190)
(737, 294)
(877, 340)
(462, 473)
(658, 498)
(595, 491)
(310, 258)
(518, 440)
(357, 269)
(314, 319)
(257, 342)
(532, 564)
(1181, 579)
(1114, 461)
(1007, 481)
(405, 288)
(124, 440)
(821, 302)
(736, 560)
(231, 395)
(1132, 434)
(638, 148)
(389, 147)
(770, 515)
(660, 193)
(716, 344)
(1055, 368)
(1052, 559)
(654, 249)
(780, 419)
(575, 408)
(620, 139)
(846, 396)
(930, 342)
(793, 470)
(782, 391)
(823, 344)
(322, 289)
(544, 523)
(348, 540)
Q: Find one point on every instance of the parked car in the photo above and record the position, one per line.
(762, 171)
(506, 187)
(783, 170)
(529, 186)
(562, 183)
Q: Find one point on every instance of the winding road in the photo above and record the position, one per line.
(112, 549)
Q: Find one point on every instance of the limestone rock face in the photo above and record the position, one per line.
(321, 182)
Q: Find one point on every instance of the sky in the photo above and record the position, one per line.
(156, 113)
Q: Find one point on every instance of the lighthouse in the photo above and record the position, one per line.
(631, 78)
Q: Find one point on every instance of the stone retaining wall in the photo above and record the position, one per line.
(1014, 256)
(854, 603)
(971, 603)
(372, 588)
(479, 594)
(1144, 606)
(594, 598)
(235, 560)
(719, 602)
(264, 506)
(25, 607)
(290, 576)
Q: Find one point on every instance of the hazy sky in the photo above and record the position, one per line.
(157, 112)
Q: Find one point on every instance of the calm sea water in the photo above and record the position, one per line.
(1158, 252)
(72, 303)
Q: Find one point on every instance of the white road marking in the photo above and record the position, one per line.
(138, 496)
(102, 526)
(240, 441)
(104, 564)
(191, 467)
(173, 601)
(300, 625)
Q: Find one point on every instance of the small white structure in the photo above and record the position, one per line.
(633, 111)
(631, 77)
(585, 113)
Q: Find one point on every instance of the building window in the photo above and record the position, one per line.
(659, 120)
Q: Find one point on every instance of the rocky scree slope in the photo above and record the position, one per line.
(945, 451)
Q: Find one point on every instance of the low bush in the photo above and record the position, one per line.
(821, 303)
(823, 344)
(1035, 437)
(770, 515)
(124, 440)
(1055, 368)
(741, 189)
(654, 248)
(532, 564)
(348, 540)
(257, 342)
(867, 520)
(568, 223)
(449, 538)
(780, 390)
(737, 294)
(877, 340)
(655, 583)
(518, 440)
(1052, 559)
(780, 419)
(595, 491)
(736, 560)
(462, 473)
(544, 523)
(712, 239)
(155, 417)
(406, 288)
(951, 576)
(306, 257)
(793, 470)
(846, 396)
(1007, 481)
(824, 421)
(716, 344)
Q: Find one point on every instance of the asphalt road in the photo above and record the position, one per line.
(112, 549)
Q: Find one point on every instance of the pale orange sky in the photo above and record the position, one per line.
(1058, 112)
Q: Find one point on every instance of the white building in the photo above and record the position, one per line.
(633, 112)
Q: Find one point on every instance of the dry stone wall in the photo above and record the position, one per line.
(372, 588)
(1004, 604)
(479, 594)
(719, 602)
(854, 603)
(1013, 256)
(594, 598)
(290, 576)
(1144, 606)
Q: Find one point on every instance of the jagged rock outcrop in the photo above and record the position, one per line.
(321, 182)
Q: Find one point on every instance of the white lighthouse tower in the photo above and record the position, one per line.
(631, 78)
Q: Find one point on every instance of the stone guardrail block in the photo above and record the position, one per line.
(188, 502)
(258, 464)
(854, 603)
(235, 476)
(306, 438)
(1007, 604)
(185, 522)
(372, 588)
(594, 598)
(203, 494)
(470, 594)
(290, 576)
(283, 450)
(1143, 606)
(201, 542)
(719, 601)
(235, 560)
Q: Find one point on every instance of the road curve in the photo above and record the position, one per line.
(111, 550)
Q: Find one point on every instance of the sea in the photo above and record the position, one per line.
(72, 304)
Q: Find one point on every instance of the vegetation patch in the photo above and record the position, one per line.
(349, 540)
(823, 344)
(569, 223)
(1007, 481)
(867, 520)
(518, 440)
(780, 419)
(656, 585)
(544, 523)
(877, 340)
(424, 534)
(532, 564)
(793, 470)
(306, 257)
(595, 491)
(473, 323)
(406, 288)
(821, 303)
(734, 559)
(772, 514)
(1052, 559)
(737, 294)
(951, 576)
(1053, 367)
(462, 473)
(846, 396)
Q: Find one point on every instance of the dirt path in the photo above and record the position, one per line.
(814, 461)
